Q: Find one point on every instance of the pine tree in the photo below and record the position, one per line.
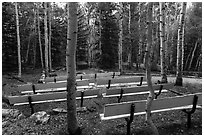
(72, 124)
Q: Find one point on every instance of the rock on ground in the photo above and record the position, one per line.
(40, 117)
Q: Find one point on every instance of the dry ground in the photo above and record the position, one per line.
(168, 123)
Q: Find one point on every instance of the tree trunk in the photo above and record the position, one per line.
(71, 69)
(50, 36)
(179, 80)
(155, 49)
(196, 44)
(140, 36)
(197, 63)
(162, 43)
(18, 41)
(168, 49)
(120, 38)
(39, 37)
(182, 47)
(46, 39)
(34, 43)
(148, 69)
(28, 49)
(130, 45)
(188, 57)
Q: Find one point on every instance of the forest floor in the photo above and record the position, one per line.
(168, 123)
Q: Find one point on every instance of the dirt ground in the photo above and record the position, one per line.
(168, 123)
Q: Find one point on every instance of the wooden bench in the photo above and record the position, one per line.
(119, 81)
(130, 109)
(81, 84)
(81, 77)
(47, 87)
(89, 93)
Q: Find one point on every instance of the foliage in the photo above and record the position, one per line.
(98, 34)
(109, 35)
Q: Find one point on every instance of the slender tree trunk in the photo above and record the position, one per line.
(129, 33)
(182, 47)
(18, 40)
(34, 44)
(197, 63)
(120, 39)
(28, 49)
(155, 48)
(39, 38)
(100, 29)
(162, 43)
(89, 42)
(140, 36)
(46, 39)
(50, 36)
(168, 50)
(148, 69)
(190, 64)
(186, 64)
(179, 80)
(68, 39)
(71, 69)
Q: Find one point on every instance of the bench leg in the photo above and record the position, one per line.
(195, 100)
(140, 82)
(189, 121)
(30, 104)
(82, 98)
(129, 121)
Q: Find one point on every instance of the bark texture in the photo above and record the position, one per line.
(162, 43)
(18, 40)
(72, 124)
(120, 38)
(179, 80)
(46, 39)
(39, 38)
(50, 36)
(148, 70)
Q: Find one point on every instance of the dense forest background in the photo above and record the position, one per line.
(98, 35)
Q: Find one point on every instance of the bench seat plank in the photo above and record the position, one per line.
(143, 113)
(28, 87)
(138, 89)
(84, 76)
(61, 89)
(104, 81)
(157, 105)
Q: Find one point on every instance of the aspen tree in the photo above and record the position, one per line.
(162, 43)
(18, 40)
(39, 37)
(179, 80)
(120, 37)
(150, 97)
(46, 39)
(50, 36)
